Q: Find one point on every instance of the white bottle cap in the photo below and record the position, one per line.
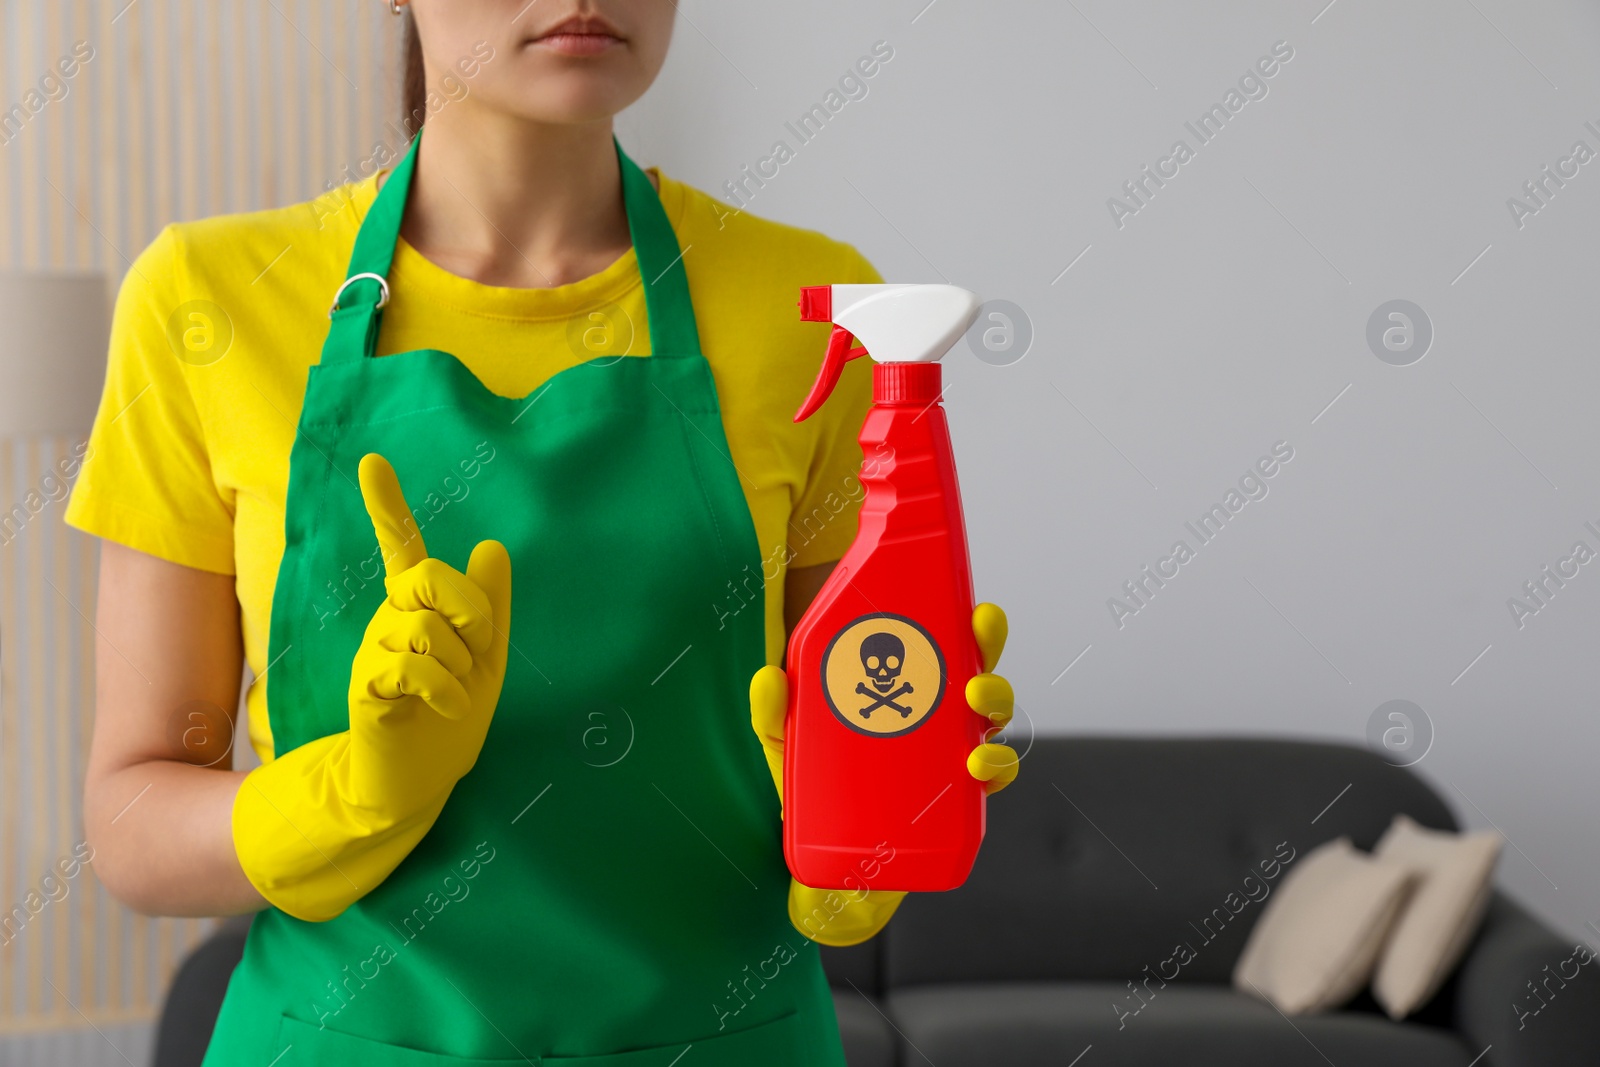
(905, 323)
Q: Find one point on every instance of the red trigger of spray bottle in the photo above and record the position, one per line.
(816, 305)
(876, 789)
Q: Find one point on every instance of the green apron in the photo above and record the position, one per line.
(606, 888)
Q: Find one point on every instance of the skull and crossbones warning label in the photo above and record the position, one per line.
(883, 675)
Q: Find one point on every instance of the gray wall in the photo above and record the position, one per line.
(1222, 317)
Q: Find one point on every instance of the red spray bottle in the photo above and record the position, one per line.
(878, 730)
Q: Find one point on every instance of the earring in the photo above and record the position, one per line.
(394, 7)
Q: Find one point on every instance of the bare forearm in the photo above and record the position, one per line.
(163, 840)
(158, 795)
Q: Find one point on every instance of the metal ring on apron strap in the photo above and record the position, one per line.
(383, 283)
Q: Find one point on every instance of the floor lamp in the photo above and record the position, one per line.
(67, 952)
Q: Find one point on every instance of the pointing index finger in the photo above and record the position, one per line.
(397, 531)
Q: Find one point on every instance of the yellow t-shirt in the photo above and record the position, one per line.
(219, 321)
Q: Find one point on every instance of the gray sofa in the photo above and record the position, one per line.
(1102, 858)
(1107, 853)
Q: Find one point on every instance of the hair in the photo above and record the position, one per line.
(414, 81)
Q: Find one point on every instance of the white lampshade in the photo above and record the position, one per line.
(53, 334)
(54, 330)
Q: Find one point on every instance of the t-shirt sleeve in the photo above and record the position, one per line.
(830, 503)
(146, 481)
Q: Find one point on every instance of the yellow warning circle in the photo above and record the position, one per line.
(883, 675)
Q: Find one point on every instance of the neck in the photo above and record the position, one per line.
(508, 202)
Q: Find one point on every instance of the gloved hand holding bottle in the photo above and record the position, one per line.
(322, 825)
(847, 919)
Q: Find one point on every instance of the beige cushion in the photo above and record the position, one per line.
(1454, 873)
(1316, 943)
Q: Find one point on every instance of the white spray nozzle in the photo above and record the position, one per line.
(904, 323)
(895, 323)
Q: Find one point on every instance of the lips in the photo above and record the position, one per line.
(580, 36)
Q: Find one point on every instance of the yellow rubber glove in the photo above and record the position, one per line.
(321, 826)
(840, 917)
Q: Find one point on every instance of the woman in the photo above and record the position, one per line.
(606, 886)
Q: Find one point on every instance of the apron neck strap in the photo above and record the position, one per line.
(666, 286)
(358, 306)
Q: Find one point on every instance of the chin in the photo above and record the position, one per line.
(568, 97)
